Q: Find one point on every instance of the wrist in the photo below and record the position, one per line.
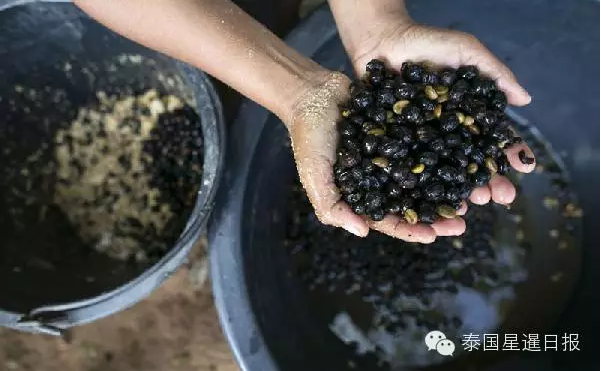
(365, 24)
(297, 86)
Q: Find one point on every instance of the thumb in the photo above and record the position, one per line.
(477, 54)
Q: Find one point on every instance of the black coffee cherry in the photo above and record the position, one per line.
(434, 192)
(405, 91)
(388, 147)
(393, 207)
(498, 100)
(398, 172)
(401, 152)
(428, 158)
(426, 133)
(490, 118)
(373, 201)
(339, 170)
(382, 176)
(412, 72)
(363, 99)
(352, 198)
(430, 78)
(368, 167)
(400, 132)
(503, 165)
(447, 173)
(389, 83)
(376, 114)
(348, 129)
(427, 212)
(479, 112)
(351, 144)
(425, 104)
(449, 122)
(459, 158)
(477, 156)
(467, 147)
(500, 133)
(357, 120)
(458, 91)
(375, 78)
(375, 65)
(358, 208)
(445, 153)
(449, 106)
(370, 144)
(394, 190)
(464, 190)
(370, 182)
(452, 194)
(409, 181)
(385, 98)
(480, 178)
(424, 176)
(412, 114)
(482, 86)
(416, 193)
(356, 172)
(406, 203)
(342, 175)
(348, 186)
(467, 72)
(447, 77)
(369, 126)
(452, 140)
(348, 158)
(408, 162)
(460, 176)
(437, 144)
(377, 215)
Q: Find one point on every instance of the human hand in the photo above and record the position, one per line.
(312, 127)
(313, 130)
(397, 40)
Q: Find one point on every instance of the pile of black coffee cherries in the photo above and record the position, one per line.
(176, 149)
(416, 143)
(379, 269)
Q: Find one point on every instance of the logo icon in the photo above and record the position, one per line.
(436, 340)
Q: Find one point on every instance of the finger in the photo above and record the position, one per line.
(491, 66)
(463, 209)
(449, 227)
(341, 215)
(513, 155)
(502, 191)
(318, 180)
(480, 195)
(396, 227)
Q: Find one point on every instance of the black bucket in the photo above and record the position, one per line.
(271, 319)
(63, 59)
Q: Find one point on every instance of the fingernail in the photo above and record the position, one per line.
(354, 230)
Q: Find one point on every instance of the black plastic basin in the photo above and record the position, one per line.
(553, 48)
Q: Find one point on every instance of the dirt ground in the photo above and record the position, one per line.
(175, 329)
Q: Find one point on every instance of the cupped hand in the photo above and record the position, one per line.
(397, 42)
(313, 132)
(314, 136)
